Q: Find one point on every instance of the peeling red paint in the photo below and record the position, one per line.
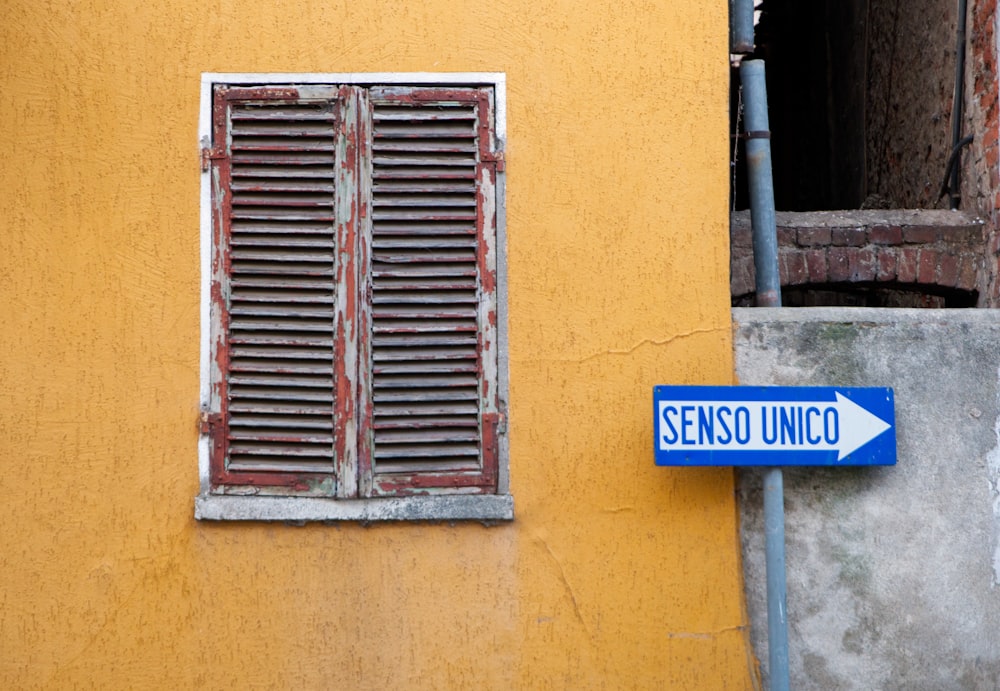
(352, 329)
(256, 93)
(345, 333)
(221, 475)
(481, 482)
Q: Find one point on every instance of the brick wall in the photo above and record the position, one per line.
(981, 174)
(924, 248)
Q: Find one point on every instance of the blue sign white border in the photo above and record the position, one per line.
(877, 401)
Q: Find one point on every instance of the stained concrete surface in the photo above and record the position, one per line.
(892, 571)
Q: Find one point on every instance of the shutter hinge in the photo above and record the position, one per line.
(497, 158)
(208, 422)
(208, 155)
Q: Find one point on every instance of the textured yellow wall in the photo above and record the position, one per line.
(615, 574)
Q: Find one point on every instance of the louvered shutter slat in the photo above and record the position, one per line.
(426, 293)
(400, 341)
(414, 174)
(410, 115)
(422, 184)
(438, 364)
(275, 111)
(284, 163)
(249, 396)
(407, 415)
(282, 301)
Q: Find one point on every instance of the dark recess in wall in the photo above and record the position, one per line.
(859, 95)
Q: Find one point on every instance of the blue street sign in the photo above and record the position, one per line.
(773, 425)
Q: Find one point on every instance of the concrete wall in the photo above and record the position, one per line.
(892, 571)
(614, 573)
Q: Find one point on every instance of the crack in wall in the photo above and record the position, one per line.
(568, 586)
(655, 342)
(632, 348)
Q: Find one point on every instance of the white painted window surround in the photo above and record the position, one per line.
(249, 503)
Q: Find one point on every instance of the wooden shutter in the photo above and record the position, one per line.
(279, 227)
(354, 290)
(432, 408)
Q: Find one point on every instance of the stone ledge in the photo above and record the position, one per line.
(301, 510)
(854, 218)
(744, 317)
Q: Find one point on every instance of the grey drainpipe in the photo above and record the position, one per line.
(761, 183)
(741, 26)
(768, 290)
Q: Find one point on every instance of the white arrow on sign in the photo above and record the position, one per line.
(842, 426)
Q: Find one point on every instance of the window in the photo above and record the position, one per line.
(352, 307)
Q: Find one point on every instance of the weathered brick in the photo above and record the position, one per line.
(947, 269)
(990, 138)
(919, 234)
(991, 156)
(740, 235)
(811, 237)
(839, 265)
(862, 264)
(737, 257)
(995, 284)
(994, 246)
(786, 236)
(847, 237)
(816, 265)
(966, 273)
(927, 264)
(782, 267)
(962, 235)
(885, 235)
(793, 269)
(741, 278)
(886, 265)
(906, 265)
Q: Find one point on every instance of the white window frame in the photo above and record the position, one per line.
(479, 507)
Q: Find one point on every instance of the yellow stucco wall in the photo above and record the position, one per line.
(615, 573)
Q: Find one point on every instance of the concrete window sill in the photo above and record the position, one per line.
(300, 510)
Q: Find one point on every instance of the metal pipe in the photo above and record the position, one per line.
(768, 280)
(741, 26)
(761, 184)
(956, 104)
(774, 551)
(952, 168)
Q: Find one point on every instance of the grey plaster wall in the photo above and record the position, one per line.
(892, 572)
